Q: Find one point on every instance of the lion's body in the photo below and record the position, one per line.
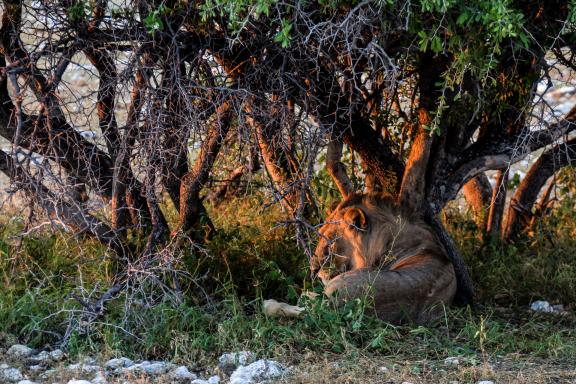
(371, 246)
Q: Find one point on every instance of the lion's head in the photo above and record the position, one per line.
(368, 230)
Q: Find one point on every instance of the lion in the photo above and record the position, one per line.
(370, 245)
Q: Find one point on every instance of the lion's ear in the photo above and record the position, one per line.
(356, 217)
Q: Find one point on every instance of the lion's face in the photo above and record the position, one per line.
(340, 242)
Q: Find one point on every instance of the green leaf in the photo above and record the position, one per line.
(463, 18)
(152, 22)
(423, 45)
(283, 36)
(436, 44)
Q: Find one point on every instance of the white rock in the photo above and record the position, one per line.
(4, 366)
(158, 368)
(257, 372)
(214, 380)
(182, 373)
(485, 382)
(211, 380)
(122, 362)
(228, 362)
(383, 369)
(11, 375)
(137, 369)
(150, 368)
(36, 368)
(451, 361)
(47, 374)
(74, 381)
(19, 350)
(56, 355)
(406, 382)
(42, 357)
(26, 382)
(541, 306)
(84, 368)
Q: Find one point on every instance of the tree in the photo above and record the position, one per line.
(428, 94)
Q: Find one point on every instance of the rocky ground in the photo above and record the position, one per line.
(23, 365)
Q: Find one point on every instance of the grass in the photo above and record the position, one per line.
(247, 261)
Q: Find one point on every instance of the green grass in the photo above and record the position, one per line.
(247, 262)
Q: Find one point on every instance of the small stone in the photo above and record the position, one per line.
(84, 368)
(46, 375)
(36, 368)
(214, 380)
(11, 375)
(157, 368)
(541, 306)
(451, 361)
(257, 372)
(150, 368)
(228, 362)
(40, 358)
(4, 366)
(485, 382)
(56, 355)
(383, 369)
(122, 362)
(182, 373)
(26, 382)
(74, 381)
(406, 382)
(558, 308)
(19, 350)
(137, 369)
(199, 381)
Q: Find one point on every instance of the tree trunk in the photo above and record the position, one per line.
(465, 289)
(478, 193)
(413, 187)
(194, 219)
(520, 210)
(275, 159)
(375, 153)
(496, 213)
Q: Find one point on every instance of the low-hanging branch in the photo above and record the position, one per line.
(72, 216)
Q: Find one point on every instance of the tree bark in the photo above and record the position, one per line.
(520, 210)
(478, 193)
(413, 187)
(465, 288)
(194, 220)
(275, 159)
(496, 213)
(375, 152)
(337, 169)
